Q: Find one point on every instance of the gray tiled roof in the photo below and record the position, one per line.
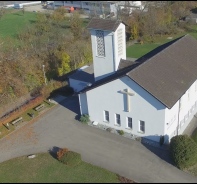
(104, 24)
(169, 74)
(166, 72)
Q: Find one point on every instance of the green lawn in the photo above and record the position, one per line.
(46, 169)
(138, 50)
(12, 23)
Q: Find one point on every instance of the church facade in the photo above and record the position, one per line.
(152, 97)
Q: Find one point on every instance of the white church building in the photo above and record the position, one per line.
(154, 96)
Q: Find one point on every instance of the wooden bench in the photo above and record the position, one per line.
(20, 119)
(39, 107)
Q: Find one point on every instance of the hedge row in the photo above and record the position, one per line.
(21, 110)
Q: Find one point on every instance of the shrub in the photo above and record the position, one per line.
(70, 158)
(183, 150)
(121, 132)
(85, 118)
(61, 153)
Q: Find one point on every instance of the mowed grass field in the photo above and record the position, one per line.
(138, 50)
(15, 21)
(46, 169)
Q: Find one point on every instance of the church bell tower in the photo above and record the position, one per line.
(108, 46)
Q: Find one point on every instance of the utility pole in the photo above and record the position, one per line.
(44, 75)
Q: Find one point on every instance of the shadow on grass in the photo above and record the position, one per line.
(53, 151)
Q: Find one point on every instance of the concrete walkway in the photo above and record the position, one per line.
(58, 128)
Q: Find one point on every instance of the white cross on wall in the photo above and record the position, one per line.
(126, 91)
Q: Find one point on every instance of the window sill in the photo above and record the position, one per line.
(106, 122)
(100, 56)
(117, 125)
(129, 128)
(141, 132)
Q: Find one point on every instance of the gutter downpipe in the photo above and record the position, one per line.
(79, 103)
(178, 119)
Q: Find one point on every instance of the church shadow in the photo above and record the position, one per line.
(71, 103)
(77, 117)
(162, 151)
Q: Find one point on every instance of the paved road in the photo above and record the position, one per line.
(58, 128)
(3, 3)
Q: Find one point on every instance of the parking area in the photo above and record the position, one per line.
(37, 8)
(59, 128)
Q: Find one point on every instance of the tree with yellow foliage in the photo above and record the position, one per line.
(65, 64)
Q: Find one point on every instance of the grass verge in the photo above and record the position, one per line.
(45, 169)
(26, 117)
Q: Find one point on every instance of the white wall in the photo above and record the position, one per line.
(83, 103)
(176, 121)
(113, 9)
(103, 66)
(107, 65)
(123, 56)
(143, 107)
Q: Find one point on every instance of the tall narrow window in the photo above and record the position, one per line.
(120, 41)
(117, 119)
(129, 122)
(106, 116)
(142, 126)
(100, 43)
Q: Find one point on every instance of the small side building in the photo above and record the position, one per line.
(82, 78)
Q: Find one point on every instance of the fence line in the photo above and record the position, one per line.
(20, 108)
